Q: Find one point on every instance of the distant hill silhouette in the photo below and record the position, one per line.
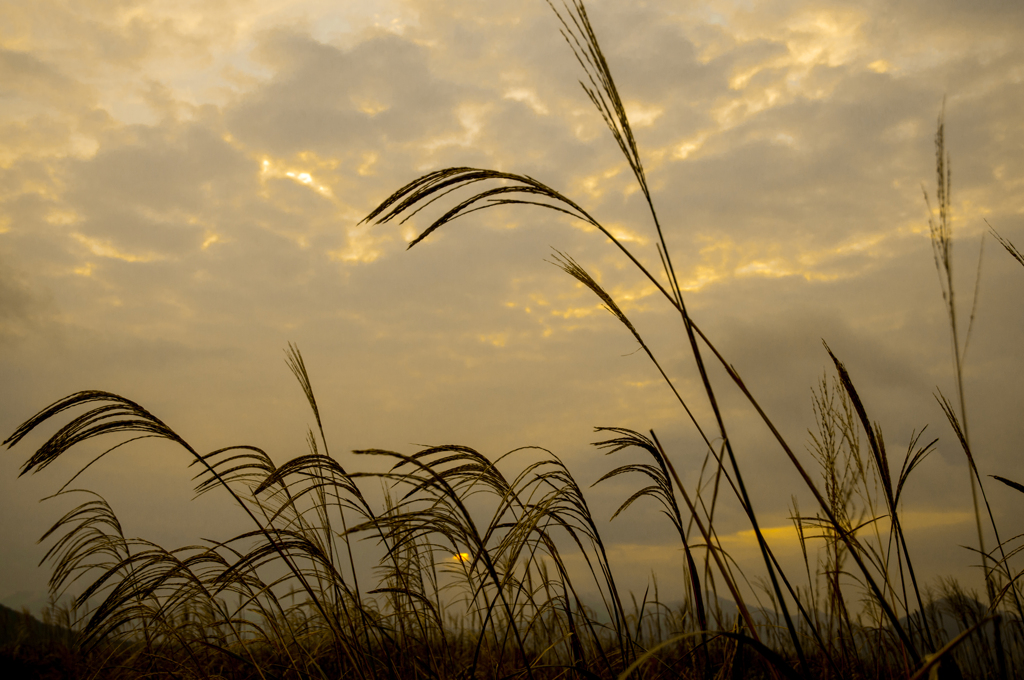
(954, 613)
(21, 628)
(33, 650)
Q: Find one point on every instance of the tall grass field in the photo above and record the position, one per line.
(487, 565)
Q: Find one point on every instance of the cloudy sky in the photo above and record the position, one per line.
(183, 184)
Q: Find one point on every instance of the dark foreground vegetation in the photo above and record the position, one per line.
(473, 579)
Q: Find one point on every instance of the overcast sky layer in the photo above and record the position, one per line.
(182, 184)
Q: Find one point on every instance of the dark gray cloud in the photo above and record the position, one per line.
(377, 93)
(22, 309)
(30, 81)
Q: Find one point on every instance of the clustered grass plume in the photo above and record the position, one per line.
(479, 572)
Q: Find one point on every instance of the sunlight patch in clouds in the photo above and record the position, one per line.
(830, 37)
(629, 297)
(103, 248)
(699, 277)
(538, 301)
(779, 267)
(625, 234)
(860, 245)
(83, 146)
(688, 147)
(724, 259)
(372, 108)
(362, 246)
(493, 339)
(593, 184)
(366, 169)
(470, 116)
(813, 38)
(747, 538)
(927, 519)
(529, 97)
(737, 111)
(576, 312)
(643, 115)
(409, 233)
(303, 177)
(774, 268)
(62, 217)
(911, 520)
